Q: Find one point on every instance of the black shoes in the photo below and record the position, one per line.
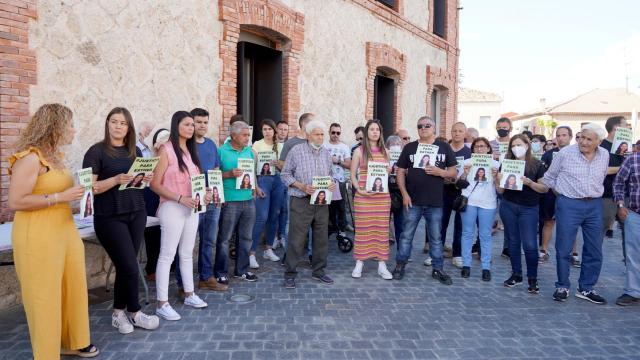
(591, 296)
(289, 283)
(398, 272)
(466, 272)
(561, 294)
(515, 279)
(442, 277)
(533, 286)
(486, 275)
(626, 300)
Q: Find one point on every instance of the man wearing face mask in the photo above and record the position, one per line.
(462, 152)
(303, 162)
(577, 175)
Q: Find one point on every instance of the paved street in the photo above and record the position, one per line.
(370, 318)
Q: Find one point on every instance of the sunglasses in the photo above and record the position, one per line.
(336, 133)
(406, 138)
(425, 126)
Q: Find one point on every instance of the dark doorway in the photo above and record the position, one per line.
(384, 91)
(259, 86)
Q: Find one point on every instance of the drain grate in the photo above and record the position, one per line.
(241, 299)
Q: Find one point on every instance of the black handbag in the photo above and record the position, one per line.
(460, 202)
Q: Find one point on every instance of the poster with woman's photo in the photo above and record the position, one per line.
(266, 159)
(481, 168)
(198, 191)
(140, 168)
(322, 195)
(245, 181)
(214, 178)
(512, 172)
(377, 177)
(85, 179)
(622, 140)
(425, 156)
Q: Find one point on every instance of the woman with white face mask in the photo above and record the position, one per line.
(519, 212)
(394, 144)
(538, 143)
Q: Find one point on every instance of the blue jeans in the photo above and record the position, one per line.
(208, 234)
(234, 213)
(267, 209)
(632, 246)
(572, 214)
(412, 216)
(521, 224)
(484, 219)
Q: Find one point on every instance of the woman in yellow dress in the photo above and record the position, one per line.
(47, 249)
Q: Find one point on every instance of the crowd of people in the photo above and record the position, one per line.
(565, 186)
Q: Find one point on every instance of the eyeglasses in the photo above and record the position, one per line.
(336, 133)
(358, 139)
(406, 138)
(425, 126)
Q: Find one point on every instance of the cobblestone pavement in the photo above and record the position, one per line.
(372, 318)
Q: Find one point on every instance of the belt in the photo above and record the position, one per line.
(585, 198)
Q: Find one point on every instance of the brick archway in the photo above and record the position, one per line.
(386, 59)
(276, 22)
(445, 82)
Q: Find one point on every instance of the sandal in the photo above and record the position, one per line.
(88, 352)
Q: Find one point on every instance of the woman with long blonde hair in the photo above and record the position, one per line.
(48, 251)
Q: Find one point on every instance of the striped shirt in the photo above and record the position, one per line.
(571, 174)
(302, 164)
(628, 182)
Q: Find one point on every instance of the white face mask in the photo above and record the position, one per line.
(468, 145)
(519, 151)
(535, 147)
(396, 148)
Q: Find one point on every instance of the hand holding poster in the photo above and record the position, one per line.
(512, 172)
(481, 168)
(141, 167)
(377, 177)
(215, 184)
(266, 160)
(247, 179)
(198, 191)
(85, 179)
(425, 155)
(622, 141)
(322, 195)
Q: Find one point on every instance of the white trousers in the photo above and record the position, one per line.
(179, 226)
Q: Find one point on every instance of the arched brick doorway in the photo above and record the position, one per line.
(275, 22)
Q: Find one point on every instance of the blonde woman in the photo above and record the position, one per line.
(48, 251)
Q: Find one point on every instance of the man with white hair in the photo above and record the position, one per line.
(302, 164)
(144, 130)
(576, 175)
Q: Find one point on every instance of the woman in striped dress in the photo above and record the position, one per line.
(371, 207)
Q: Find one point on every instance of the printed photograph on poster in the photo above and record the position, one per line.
(622, 140)
(425, 155)
(266, 161)
(394, 154)
(481, 168)
(86, 204)
(140, 168)
(198, 191)
(322, 195)
(214, 178)
(377, 177)
(512, 172)
(246, 181)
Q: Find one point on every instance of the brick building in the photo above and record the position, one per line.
(345, 60)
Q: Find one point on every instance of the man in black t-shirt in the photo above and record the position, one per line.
(422, 190)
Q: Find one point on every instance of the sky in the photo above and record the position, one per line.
(525, 50)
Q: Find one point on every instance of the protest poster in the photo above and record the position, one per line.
(140, 168)
(481, 165)
(322, 195)
(377, 177)
(247, 179)
(214, 178)
(425, 156)
(198, 191)
(622, 141)
(512, 172)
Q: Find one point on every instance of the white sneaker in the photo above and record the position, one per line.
(357, 271)
(270, 255)
(120, 321)
(166, 312)
(277, 242)
(457, 262)
(383, 271)
(253, 262)
(427, 261)
(195, 301)
(142, 320)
